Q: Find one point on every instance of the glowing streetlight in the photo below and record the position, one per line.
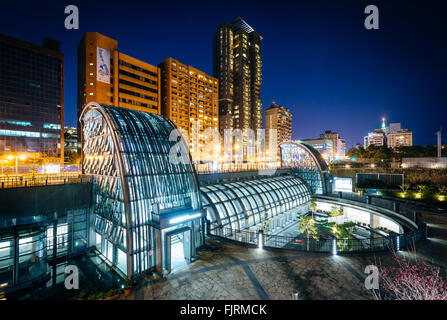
(3, 162)
(21, 157)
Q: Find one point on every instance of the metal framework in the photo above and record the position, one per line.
(140, 172)
(241, 205)
(307, 163)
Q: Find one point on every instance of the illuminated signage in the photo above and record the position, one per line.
(103, 65)
(342, 184)
(184, 218)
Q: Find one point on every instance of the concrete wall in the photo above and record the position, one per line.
(30, 201)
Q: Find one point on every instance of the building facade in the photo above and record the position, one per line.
(375, 138)
(71, 141)
(278, 126)
(108, 76)
(391, 136)
(238, 66)
(324, 146)
(190, 101)
(329, 145)
(402, 138)
(31, 99)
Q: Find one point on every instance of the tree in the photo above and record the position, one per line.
(411, 281)
(404, 188)
(442, 189)
(308, 226)
(422, 188)
(265, 223)
(343, 234)
(336, 211)
(313, 206)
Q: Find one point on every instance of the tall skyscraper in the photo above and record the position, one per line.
(31, 99)
(190, 100)
(238, 67)
(110, 77)
(278, 126)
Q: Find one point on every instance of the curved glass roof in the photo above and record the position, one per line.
(141, 166)
(240, 205)
(307, 163)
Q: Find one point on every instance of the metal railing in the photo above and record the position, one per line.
(396, 205)
(328, 245)
(41, 180)
(236, 167)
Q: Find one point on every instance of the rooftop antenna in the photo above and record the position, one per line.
(439, 141)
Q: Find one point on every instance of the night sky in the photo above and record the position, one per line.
(318, 58)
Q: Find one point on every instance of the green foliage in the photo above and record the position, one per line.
(336, 211)
(404, 187)
(422, 188)
(308, 226)
(313, 205)
(384, 153)
(265, 223)
(442, 189)
(343, 233)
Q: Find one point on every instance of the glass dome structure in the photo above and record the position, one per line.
(145, 186)
(242, 205)
(307, 163)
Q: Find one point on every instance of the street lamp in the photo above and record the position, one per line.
(3, 162)
(21, 157)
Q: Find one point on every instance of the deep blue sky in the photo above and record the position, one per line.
(318, 59)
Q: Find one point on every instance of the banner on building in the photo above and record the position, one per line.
(103, 65)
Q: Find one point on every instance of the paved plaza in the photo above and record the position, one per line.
(227, 270)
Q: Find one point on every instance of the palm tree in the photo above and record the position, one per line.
(442, 189)
(404, 188)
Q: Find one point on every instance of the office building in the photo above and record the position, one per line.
(391, 136)
(238, 66)
(375, 138)
(329, 145)
(107, 76)
(190, 100)
(278, 126)
(71, 142)
(324, 146)
(31, 99)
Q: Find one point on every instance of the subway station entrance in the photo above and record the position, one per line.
(178, 249)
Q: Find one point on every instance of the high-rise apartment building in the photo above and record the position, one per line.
(401, 138)
(375, 138)
(190, 100)
(278, 121)
(31, 99)
(238, 66)
(110, 77)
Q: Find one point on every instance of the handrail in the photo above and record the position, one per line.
(41, 180)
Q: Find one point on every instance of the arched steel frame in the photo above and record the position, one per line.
(307, 163)
(243, 204)
(128, 153)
